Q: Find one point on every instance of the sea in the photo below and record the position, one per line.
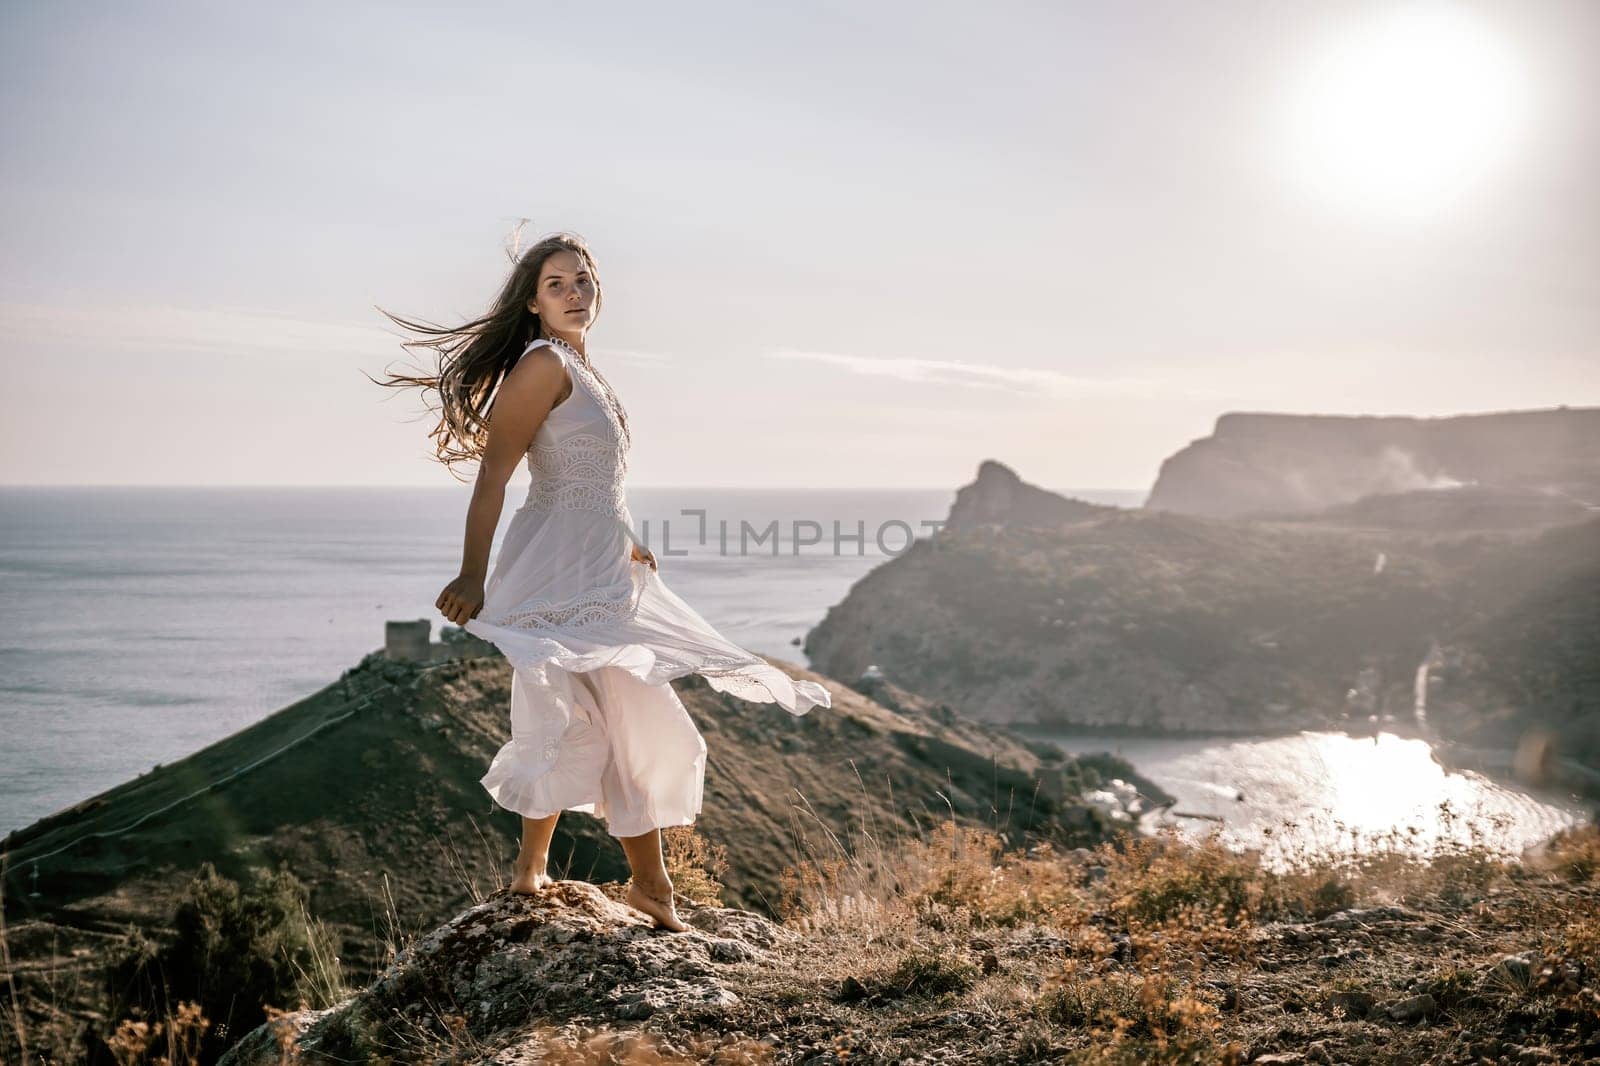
(1315, 794)
(143, 623)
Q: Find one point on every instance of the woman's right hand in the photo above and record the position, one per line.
(461, 599)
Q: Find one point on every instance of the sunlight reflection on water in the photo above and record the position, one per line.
(1320, 794)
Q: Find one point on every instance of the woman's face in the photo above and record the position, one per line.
(564, 297)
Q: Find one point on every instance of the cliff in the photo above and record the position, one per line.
(1257, 462)
(1155, 621)
(997, 496)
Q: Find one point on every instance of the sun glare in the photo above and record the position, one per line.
(1407, 114)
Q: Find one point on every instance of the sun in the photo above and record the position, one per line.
(1408, 114)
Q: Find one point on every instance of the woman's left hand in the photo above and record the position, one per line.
(644, 555)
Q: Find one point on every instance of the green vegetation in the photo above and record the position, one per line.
(234, 953)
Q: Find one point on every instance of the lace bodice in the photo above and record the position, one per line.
(579, 456)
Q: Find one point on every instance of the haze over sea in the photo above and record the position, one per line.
(145, 623)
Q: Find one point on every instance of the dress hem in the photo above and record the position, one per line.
(749, 678)
(535, 789)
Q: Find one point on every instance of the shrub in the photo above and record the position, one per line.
(924, 970)
(233, 953)
(1158, 879)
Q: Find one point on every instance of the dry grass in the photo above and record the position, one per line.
(1108, 955)
(695, 864)
(170, 1041)
(1573, 854)
(39, 1021)
(1147, 925)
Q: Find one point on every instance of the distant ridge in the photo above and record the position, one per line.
(1268, 462)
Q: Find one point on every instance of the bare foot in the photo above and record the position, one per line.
(658, 907)
(526, 880)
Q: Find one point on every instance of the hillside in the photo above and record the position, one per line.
(1161, 622)
(368, 791)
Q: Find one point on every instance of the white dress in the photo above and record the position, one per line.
(594, 637)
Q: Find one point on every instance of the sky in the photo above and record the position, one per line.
(841, 244)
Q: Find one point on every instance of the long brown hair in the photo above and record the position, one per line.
(475, 357)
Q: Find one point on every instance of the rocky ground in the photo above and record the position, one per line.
(954, 951)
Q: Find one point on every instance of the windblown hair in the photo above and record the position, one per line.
(475, 357)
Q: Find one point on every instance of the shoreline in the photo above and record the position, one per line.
(1568, 784)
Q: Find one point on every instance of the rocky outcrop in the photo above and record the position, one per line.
(571, 953)
(1158, 622)
(998, 497)
(1258, 462)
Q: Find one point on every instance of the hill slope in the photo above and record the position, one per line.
(368, 790)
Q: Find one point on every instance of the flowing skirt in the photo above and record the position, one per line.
(594, 639)
(629, 753)
(566, 592)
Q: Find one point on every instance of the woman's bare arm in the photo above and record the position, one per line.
(520, 408)
(525, 399)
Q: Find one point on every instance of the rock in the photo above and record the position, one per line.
(851, 990)
(1117, 800)
(1280, 1058)
(1230, 996)
(1340, 958)
(262, 1044)
(824, 1057)
(724, 950)
(1514, 971)
(1357, 917)
(509, 962)
(997, 497)
(1414, 1008)
(636, 1007)
(1351, 1003)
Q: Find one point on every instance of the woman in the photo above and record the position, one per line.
(575, 602)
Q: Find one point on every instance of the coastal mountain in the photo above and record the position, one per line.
(368, 792)
(999, 497)
(1262, 462)
(1521, 669)
(1155, 621)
